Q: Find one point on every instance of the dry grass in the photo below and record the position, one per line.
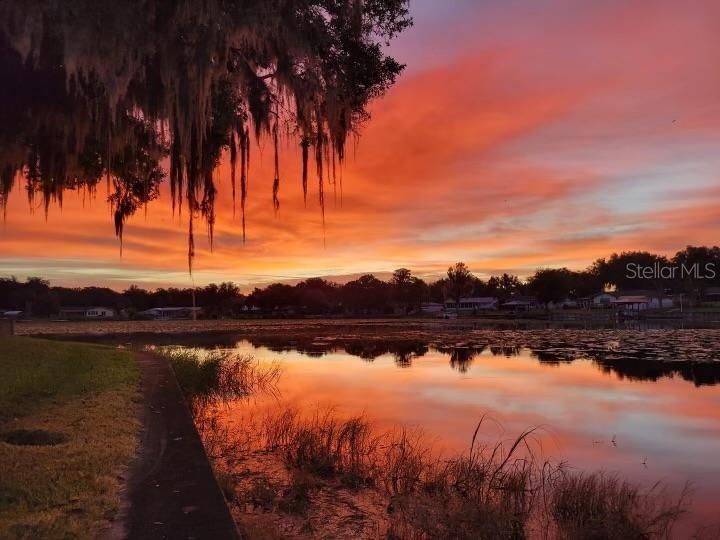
(603, 506)
(494, 491)
(324, 445)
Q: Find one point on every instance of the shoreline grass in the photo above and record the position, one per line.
(208, 377)
(493, 490)
(86, 394)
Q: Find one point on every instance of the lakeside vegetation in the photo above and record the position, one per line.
(67, 430)
(215, 376)
(493, 490)
(404, 292)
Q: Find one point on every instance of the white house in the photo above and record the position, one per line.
(97, 312)
(481, 303)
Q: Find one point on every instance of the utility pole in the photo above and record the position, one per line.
(194, 311)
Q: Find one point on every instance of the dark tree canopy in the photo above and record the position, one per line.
(101, 88)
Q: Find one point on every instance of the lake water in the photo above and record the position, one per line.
(648, 419)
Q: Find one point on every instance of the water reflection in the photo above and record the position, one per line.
(689, 355)
(608, 406)
(617, 402)
(462, 357)
(635, 358)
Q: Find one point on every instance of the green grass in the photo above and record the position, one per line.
(87, 394)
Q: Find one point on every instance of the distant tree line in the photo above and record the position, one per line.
(691, 271)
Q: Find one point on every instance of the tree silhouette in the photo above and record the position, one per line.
(504, 286)
(366, 295)
(107, 88)
(459, 281)
(408, 290)
(698, 267)
(551, 284)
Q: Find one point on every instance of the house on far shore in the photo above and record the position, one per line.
(471, 305)
(86, 313)
(521, 303)
(640, 302)
(632, 303)
(627, 300)
(602, 300)
(171, 313)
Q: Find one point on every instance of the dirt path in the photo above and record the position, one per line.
(171, 491)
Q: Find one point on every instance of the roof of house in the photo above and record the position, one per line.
(477, 300)
(637, 292)
(637, 299)
(595, 295)
(171, 309)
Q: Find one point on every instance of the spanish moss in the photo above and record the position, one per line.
(104, 88)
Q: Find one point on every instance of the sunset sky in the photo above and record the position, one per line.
(523, 134)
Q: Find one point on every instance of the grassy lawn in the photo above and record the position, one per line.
(84, 396)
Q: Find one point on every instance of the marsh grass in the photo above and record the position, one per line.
(604, 506)
(212, 377)
(497, 490)
(324, 445)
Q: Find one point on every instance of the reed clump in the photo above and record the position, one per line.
(324, 445)
(603, 506)
(208, 377)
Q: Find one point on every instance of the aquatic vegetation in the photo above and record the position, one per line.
(494, 490)
(220, 376)
(604, 506)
